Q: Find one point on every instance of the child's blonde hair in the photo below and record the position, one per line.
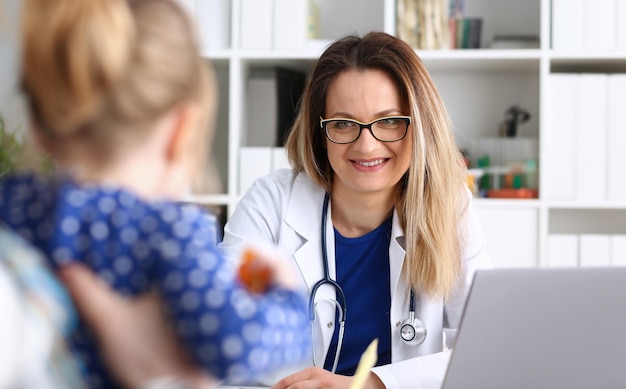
(100, 72)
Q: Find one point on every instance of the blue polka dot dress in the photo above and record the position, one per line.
(135, 245)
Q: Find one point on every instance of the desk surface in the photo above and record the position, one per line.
(242, 387)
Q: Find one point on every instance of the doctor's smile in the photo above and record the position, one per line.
(371, 164)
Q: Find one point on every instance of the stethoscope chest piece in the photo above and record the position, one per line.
(413, 330)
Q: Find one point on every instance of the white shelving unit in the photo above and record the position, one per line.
(477, 86)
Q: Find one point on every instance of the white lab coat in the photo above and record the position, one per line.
(285, 211)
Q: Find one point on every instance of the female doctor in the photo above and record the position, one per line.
(375, 214)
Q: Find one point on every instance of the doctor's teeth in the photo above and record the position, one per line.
(371, 163)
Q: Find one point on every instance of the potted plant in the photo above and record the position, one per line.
(12, 154)
(10, 149)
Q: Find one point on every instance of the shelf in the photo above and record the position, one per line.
(586, 205)
(552, 205)
(218, 56)
(461, 59)
(506, 203)
(481, 59)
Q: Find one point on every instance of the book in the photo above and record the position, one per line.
(289, 88)
(591, 147)
(474, 32)
(424, 24)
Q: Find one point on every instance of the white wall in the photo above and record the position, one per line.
(12, 106)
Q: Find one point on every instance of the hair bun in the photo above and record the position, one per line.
(75, 53)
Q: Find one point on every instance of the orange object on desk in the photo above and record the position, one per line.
(254, 273)
(510, 193)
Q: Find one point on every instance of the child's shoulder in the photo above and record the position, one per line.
(24, 195)
(24, 184)
(163, 218)
(185, 221)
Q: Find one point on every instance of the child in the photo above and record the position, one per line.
(120, 100)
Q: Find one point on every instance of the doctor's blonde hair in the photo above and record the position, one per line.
(432, 195)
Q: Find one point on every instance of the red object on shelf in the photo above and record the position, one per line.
(510, 193)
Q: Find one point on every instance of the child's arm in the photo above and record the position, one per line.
(133, 334)
(231, 331)
(260, 269)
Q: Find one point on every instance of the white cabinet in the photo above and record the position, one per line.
(477, 85)
(511, 233)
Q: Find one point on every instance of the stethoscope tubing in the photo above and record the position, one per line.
(340, 300)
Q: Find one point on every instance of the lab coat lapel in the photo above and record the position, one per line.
(397, 253)
(303, 216)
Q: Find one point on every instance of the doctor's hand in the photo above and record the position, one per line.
(318, 378)
(134, 335)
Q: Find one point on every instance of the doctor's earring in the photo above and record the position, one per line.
(413, 330)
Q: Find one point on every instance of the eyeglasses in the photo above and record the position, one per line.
(387, 129)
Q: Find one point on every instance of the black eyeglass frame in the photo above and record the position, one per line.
(324, 122)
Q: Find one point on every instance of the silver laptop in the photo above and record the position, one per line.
(542, 328)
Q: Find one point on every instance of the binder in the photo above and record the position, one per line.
(261, 111)
(562, 250)
(256, 24)
(567, 25)
(616, 138)
(620, 21)
(254, 162)
(591, 138)
(595, 250)
(289, 88)
(290, 27)
(279, 158)
(559, 158)
(515, 245)
(213, 24)
(618, 250)
(600, 26)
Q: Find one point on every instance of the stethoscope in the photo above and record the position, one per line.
(413, 330)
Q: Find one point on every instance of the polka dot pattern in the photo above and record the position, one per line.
(134, 245)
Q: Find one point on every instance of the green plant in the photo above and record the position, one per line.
(10, 149)
(12, 154)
